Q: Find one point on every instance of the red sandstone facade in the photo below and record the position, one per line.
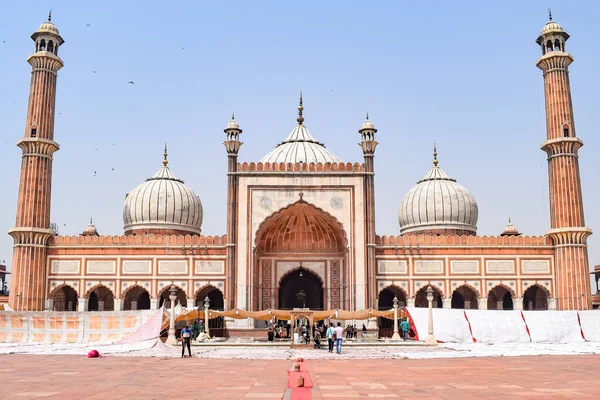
(300, 220)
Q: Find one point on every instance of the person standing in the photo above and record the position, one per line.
(186, 334)
(355, 332)
(339, 332)
(330, 333)
(405, 327)
(195, 329)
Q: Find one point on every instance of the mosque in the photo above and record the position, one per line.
(300, 226)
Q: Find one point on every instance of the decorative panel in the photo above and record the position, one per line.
(65, 267)
(335, 284)
(266, 284)
(101, 267)
(210, 267)
(135, 267)
(536, 266)
(429, 267)
(391, 267)
(464, 266)
(172, 267)
(500, 266)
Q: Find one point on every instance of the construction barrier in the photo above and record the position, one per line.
(75, 327)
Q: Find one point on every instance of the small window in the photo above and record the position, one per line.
(33, 132)
(557, 45)
(549, 45)
(50, 46)
(566, 131)
(43, 45)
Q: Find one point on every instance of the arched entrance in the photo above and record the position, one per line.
(216, 326)
(421, 298)
(464, 298)
(535, 298)
(386, 302)
(101, 299)
(136, 298)
(300, 233)
(500, 298)
(166, 301)
(301, 288)
(64, 298)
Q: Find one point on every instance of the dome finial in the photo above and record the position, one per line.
(300, 118)
(165, 161)
(91, 222)
(50, 15)
(233, 116)
(550, 13)
(367, 115)
(435, 160)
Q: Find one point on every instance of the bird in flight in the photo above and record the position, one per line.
(88, 25)
(95, 173)
(131, 82)
(95, 72)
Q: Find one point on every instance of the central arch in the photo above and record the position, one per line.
(300, 232)
(301, 288)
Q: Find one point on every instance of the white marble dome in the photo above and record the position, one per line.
(300, 146)
(438, 204)
(48, 27)
(551, 26)
(162, 203)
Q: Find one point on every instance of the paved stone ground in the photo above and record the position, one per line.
(76, 377)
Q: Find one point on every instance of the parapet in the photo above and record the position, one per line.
(139, 240)
(465, 240)
(301, 167)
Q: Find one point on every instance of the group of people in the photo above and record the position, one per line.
(194, 332)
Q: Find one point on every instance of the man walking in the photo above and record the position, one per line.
(339, 331)
(330, 332)
(405, 327)
(186, 334)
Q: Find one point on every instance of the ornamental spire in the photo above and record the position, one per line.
(550, 13)
(300, 118)
(435, 160)
(165, 161)
(50, 15)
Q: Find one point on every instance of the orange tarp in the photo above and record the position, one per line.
(265, 315)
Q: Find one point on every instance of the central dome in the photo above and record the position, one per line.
(438, 205)
(162, 205)
(300, 146)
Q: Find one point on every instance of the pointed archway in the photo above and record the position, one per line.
(300, 232)
(64, 298)
(500, 298)
(301, 288)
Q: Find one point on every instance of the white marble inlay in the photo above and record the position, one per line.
(67, 267)
(132, 267)
(392, 267)
(500, 266)
(536, 266)
(429, 266)
(210, 267)
(464, 266)
(172, 267)
(101, 267)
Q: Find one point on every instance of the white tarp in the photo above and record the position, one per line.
(553, 326)
(590, 324)
(495, 326)
(449, 326)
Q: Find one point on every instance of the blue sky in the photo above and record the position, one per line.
(459, 73)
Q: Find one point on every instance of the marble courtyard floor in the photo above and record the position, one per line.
(77, 377)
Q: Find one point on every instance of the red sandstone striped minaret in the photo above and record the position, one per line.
(232, 145)
(568, 231)
(31, 232)
(368, 145)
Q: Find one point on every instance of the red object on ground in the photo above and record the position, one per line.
(94, 354)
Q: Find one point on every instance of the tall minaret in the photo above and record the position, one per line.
(31, 232)
(568, 232)
(232, 145)
(368, 145)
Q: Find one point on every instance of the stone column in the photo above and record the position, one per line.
(430, 337)
(552, 304)
(447, 303)
(118, 304)
(483, 303)
(396, 335)
(82, 304)
(410, 303)
(49, 305)
(154, 304)
(518, 303)
(190, 303)
(171, 339)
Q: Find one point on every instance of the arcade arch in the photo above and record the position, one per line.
(465, 297)
(214, 295)
(500, 298)
(136, 298)
(64, 298)
(421, 298)
(166, 292)
(535, 298)
(101, 298)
